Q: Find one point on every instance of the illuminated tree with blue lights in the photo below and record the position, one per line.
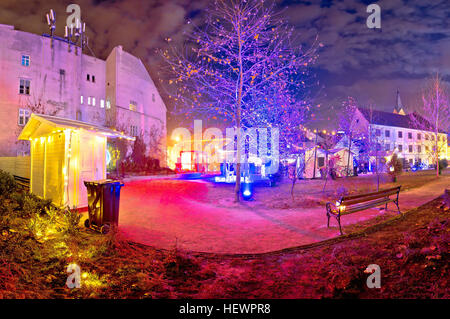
(245, 67)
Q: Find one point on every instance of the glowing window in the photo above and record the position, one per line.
(25, 60)
(81, 99)
(89, 100)
(108, 104)
(102, 103)
(93, 101)
(133, 106)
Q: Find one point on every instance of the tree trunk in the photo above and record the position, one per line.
(293, 184)
(237, 188)
(349, 151)
(437, 156)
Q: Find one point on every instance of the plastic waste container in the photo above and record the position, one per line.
(103, 204)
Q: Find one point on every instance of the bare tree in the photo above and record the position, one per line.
(345, 124)
(434, 115)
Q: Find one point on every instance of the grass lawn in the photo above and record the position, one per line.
(37, 247)
(310, 193)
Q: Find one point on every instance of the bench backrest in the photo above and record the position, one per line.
(21, 179)
(361, 198)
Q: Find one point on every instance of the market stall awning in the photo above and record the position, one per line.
(40, 125)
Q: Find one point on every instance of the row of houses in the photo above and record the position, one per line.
(375, 134)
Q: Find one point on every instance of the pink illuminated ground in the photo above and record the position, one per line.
(167, 212)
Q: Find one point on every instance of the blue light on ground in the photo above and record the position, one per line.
(247, 191)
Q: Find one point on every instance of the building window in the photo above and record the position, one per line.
(108, 104)
(25, 60)
(432, 137)
(426, 149)
(102, 103)
(133, 106)
(153, 97)
(387, 147)
(409, 135)
(419, 149)
(377, 132)
(62, 72)
(427, 137)
(93, 101)
(419, 136)
(134, 130)
(400, 148)
(387, 133)
(24, 116)
(88, 77)
(93, 78)
(410, 161)
(410, 148)
(400, 134)
(81, 99)
(378, 147)
(24, 87)
(89, 100)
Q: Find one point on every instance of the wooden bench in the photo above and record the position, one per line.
(23, 182)
(355, 203)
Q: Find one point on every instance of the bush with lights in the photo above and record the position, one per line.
(395, 167)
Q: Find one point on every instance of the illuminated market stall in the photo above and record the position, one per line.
(64, 154)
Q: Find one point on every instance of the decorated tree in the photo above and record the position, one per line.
(242, 66)
(434, 116)
(395, 167)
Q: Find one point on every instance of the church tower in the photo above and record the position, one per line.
(399, 107)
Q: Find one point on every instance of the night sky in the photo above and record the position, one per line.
(368, 64)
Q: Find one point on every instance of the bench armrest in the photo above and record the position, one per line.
(332, 208)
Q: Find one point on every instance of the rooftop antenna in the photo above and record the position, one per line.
(51, 21)
(68, 33)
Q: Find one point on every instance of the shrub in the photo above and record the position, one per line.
(71, 220)
(395, 167)
(7, 183)
(29, 204)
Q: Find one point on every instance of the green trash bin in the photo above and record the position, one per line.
(103, 204)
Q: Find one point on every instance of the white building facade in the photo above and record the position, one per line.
(395, 133)
(43, 75)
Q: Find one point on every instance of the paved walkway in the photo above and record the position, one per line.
(165, 213)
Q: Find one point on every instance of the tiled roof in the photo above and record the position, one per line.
(392, 119)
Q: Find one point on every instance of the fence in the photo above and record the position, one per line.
(19, 165)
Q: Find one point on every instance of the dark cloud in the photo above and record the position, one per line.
(370, 65)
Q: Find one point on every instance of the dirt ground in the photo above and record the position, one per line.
(411, 250)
